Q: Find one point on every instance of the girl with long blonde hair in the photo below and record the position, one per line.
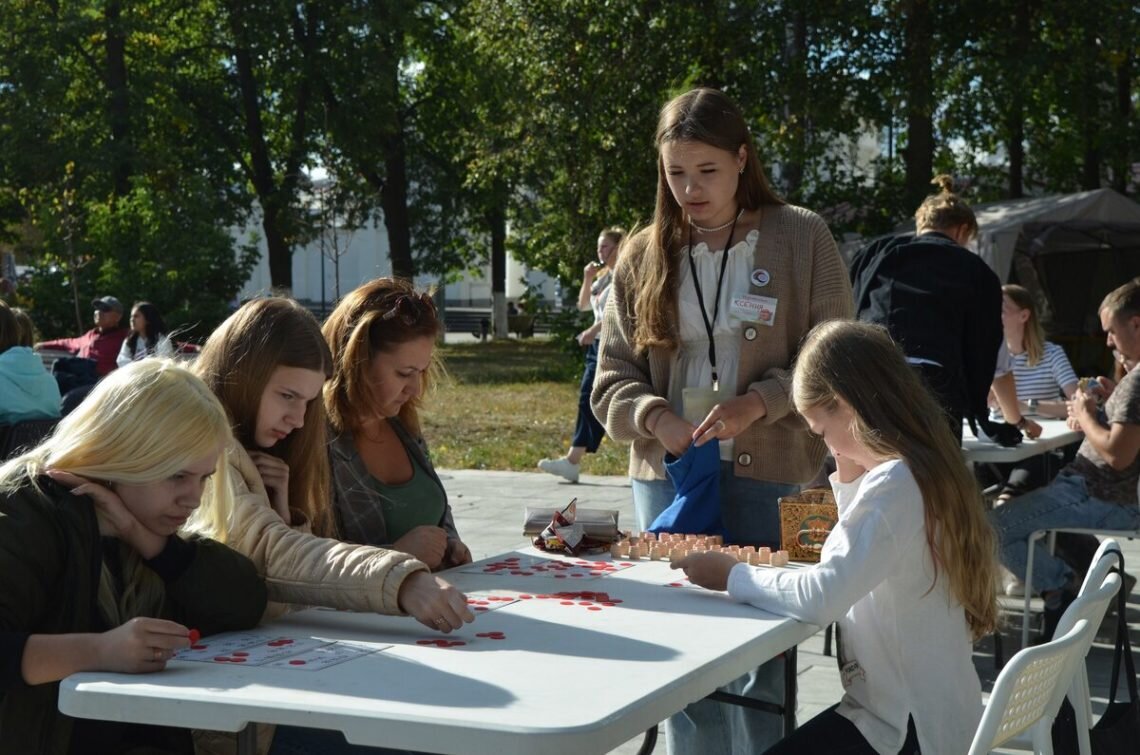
(94, 557)
(908, 572)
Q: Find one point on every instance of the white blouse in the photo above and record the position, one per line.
(691, 366)
(162, 349)
(906, 648)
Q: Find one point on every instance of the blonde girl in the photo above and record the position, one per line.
(908, 572)
(94, 561)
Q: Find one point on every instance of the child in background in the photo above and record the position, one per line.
(95, 575)
(908, 571)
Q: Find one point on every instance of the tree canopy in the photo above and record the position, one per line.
(134, 137)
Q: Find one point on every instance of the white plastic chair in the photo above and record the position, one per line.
(1097, 591)
(1029, 690)
(1038, 535)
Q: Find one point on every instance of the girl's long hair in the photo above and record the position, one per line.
(374, 319)
(155, 327)
(237, 362)
(141, 424)
(1033, 337)
(895, 416)
(699, 115)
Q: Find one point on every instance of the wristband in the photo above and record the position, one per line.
(1021, 423)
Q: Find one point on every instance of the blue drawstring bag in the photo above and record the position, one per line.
(696, 506)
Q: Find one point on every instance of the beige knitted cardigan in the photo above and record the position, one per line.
(809, 281)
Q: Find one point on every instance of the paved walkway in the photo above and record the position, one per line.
(489, 509)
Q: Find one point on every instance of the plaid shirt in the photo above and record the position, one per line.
(357, 502)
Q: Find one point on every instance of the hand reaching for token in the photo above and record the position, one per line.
(709, 570)
(434, 602)
(114, 519)
(140, 646)
(457, 553)
(426, 542)
(731, 418)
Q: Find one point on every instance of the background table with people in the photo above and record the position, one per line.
(565, 678)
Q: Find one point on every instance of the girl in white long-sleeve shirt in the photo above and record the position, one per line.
(908, 570)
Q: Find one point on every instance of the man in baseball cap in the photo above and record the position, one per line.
(103, 342)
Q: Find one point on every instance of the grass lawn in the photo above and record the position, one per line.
(505, 405)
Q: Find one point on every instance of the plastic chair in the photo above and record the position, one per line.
(1097, 591)
(1029, 690)
(20, 436)
(1051, 533)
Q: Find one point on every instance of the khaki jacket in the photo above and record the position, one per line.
(809, 280)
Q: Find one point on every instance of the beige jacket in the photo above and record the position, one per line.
(809, 280)
(300, 568)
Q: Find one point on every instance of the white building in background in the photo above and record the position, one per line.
(363, 256)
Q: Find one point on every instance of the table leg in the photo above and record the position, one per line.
(649, 742)
(247, 740)
(787, 709)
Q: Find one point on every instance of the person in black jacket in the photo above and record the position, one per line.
(938, 300)
(94, 575)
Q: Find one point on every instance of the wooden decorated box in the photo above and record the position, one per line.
(806, 519)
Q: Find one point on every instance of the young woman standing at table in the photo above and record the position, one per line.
(724, 284)
(385, 489)
(588, 431)
(907, 572)
(96, 572)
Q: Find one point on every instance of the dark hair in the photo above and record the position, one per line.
(374, 319)
(155, 327)
(237, 362)
(9, 328)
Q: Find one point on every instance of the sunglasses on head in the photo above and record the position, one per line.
(410, 308)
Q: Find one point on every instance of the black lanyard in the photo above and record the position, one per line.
(716, 302)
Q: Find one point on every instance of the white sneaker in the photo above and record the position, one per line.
(561, 467)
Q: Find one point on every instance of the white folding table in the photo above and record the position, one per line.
(1054, 434)
(565, 679)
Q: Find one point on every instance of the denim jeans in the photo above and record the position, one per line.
(751, 515)
(1063, 503)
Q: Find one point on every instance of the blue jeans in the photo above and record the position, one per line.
(751, 515)
(296, 740)
(1065, 502)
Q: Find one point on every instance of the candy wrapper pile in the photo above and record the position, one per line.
(566, 535)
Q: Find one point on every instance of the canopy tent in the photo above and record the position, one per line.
(1002, 224)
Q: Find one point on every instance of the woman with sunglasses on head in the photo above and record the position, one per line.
(267, 364)
(385, 490)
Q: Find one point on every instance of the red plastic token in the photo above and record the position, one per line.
(297, 662)
(593, 608)
(239, 654)
(222, 658)
(238, 660)
(195, 635)
(199, 647)
(567, 602)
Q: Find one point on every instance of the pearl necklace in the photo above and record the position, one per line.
(721, 227)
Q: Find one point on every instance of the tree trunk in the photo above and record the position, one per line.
(394, 200)
(497, 220)
(919, 151)
(1015, 119)
(795, 101)
(118, 100)
(261, 175)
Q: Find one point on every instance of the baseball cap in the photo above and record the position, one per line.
(107, 303)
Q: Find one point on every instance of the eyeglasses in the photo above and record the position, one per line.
(410, 309)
